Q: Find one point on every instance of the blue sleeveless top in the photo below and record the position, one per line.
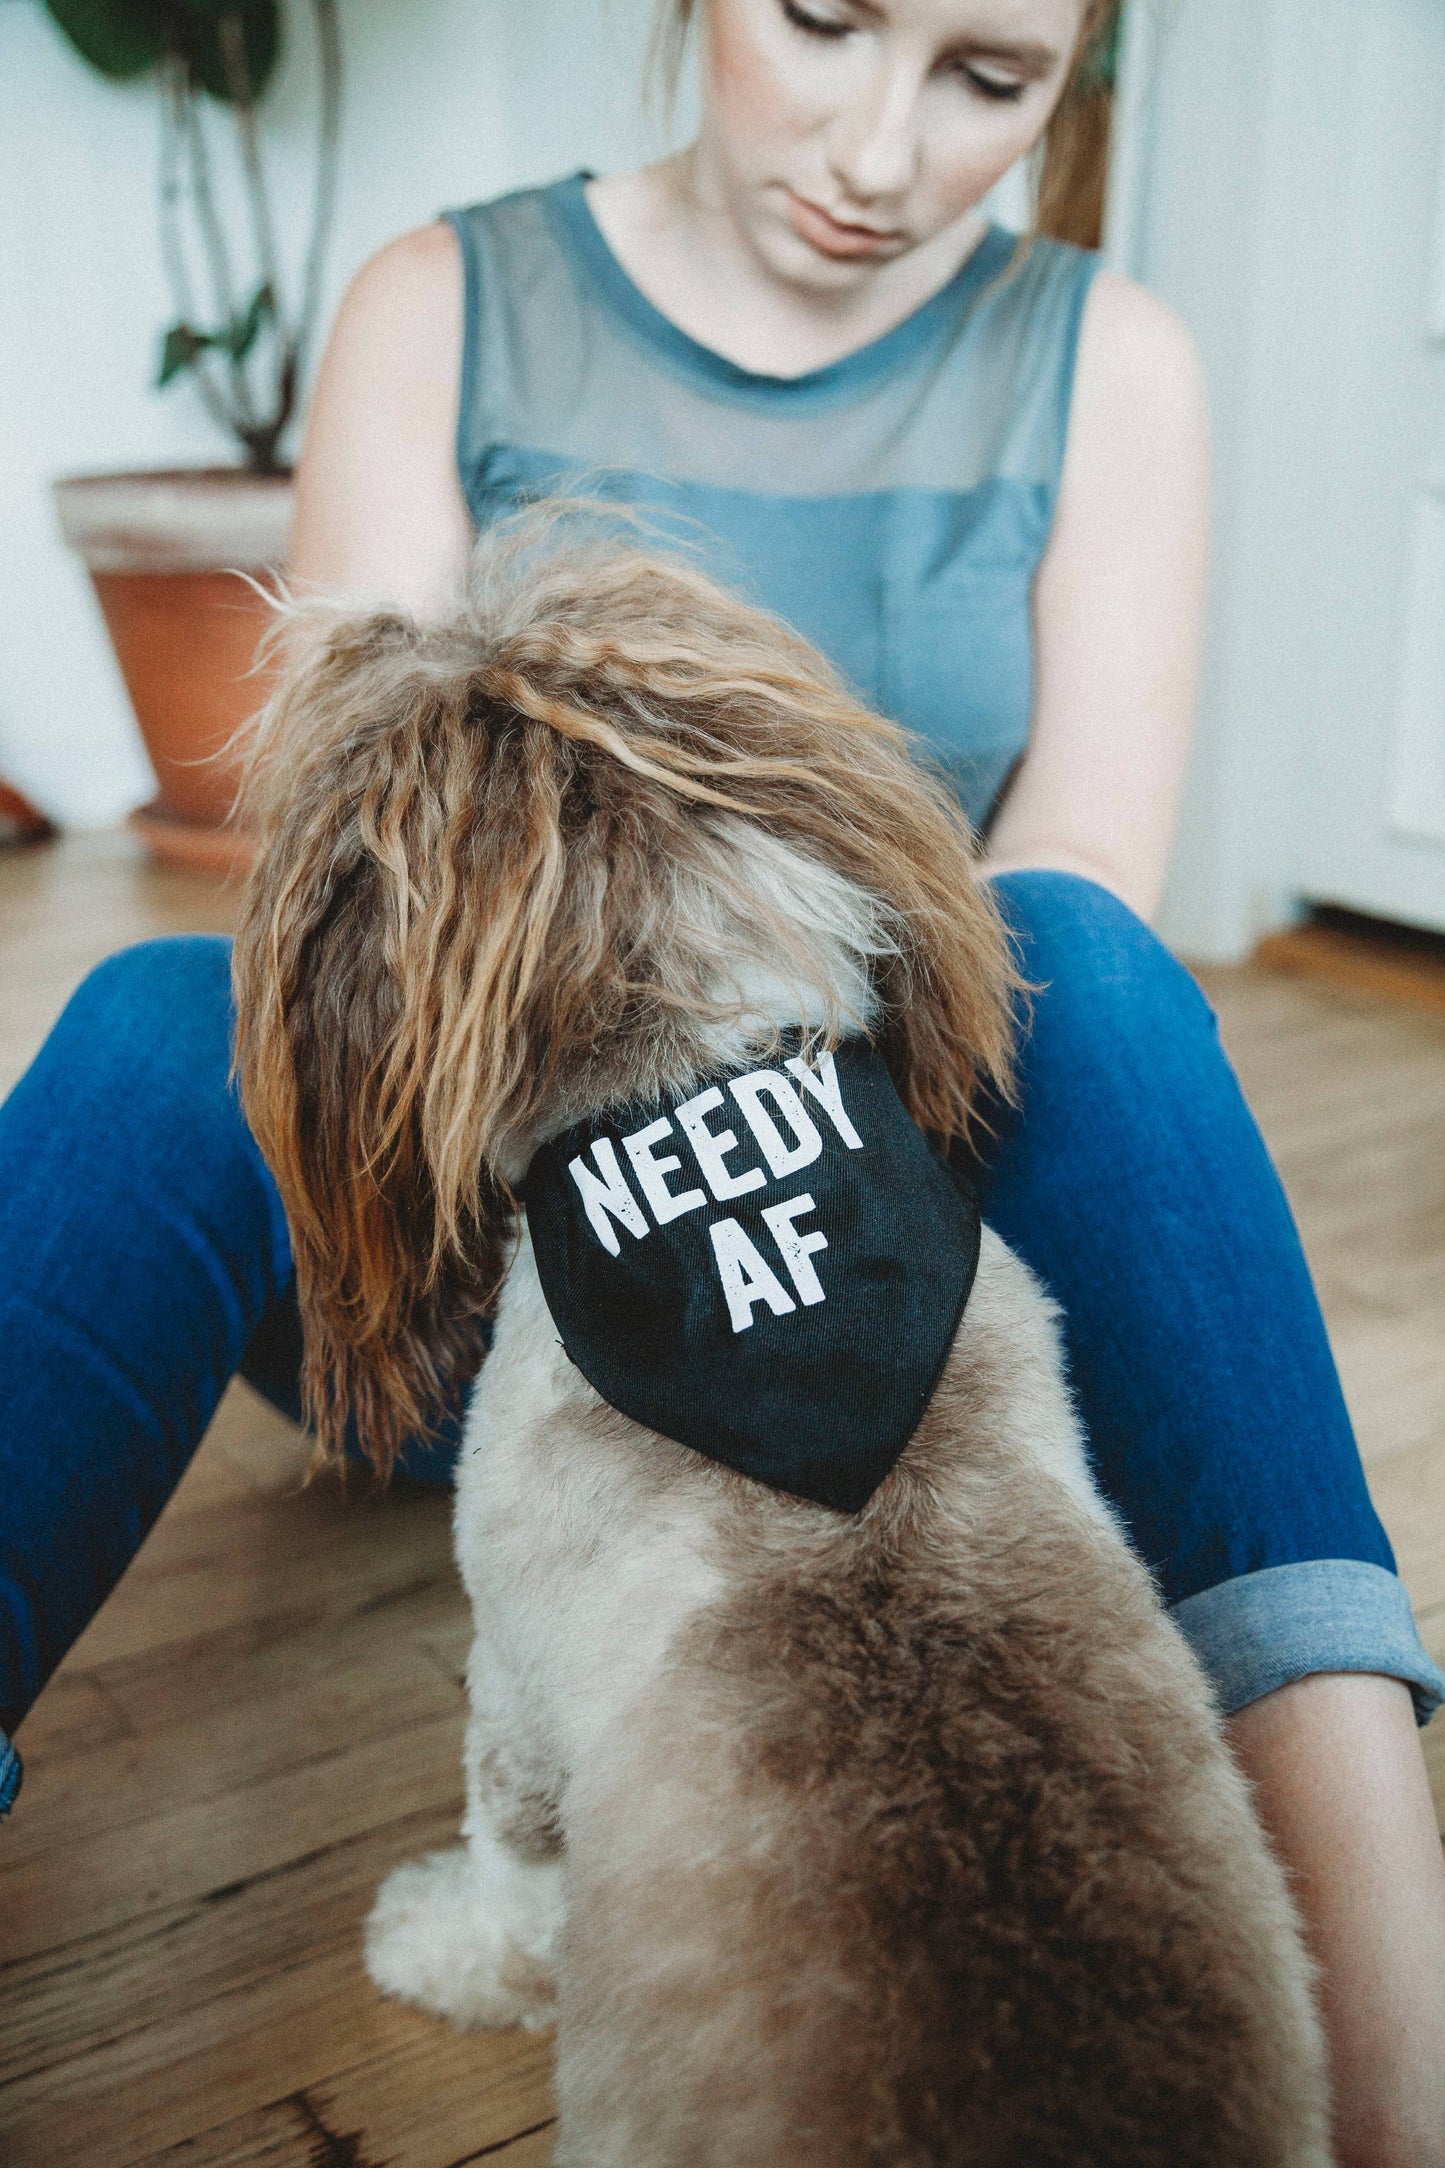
(892, 506)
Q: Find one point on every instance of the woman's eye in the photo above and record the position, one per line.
(1002, 88)
(814, 26)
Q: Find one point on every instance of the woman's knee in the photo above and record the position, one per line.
(1098, 971)
(144, 1045)
(160, 1004)
(136, 1077)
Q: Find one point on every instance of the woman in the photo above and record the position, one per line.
(979, 482)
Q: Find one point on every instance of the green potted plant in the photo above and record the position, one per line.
(164, 549)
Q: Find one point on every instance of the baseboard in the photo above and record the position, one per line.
(1362, 955)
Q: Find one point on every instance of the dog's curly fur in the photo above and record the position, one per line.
(899, 1840)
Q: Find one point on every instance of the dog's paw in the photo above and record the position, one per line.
(469, 1933)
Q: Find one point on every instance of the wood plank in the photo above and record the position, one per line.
(74, 1715)
(232, 1709)
(416, 2103)
(283, 2134)
(530, 2149)
(73, 1997)
(252, 1449)
(413, 2105)
(290, 2032)
(1408, 1488)
(306, 2131)
(255, 1562)
(185, 1854)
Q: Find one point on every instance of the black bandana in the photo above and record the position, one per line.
(770, 1271)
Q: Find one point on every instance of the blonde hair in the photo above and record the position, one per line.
(1073, 150)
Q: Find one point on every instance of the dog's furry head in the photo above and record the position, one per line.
(603, 826)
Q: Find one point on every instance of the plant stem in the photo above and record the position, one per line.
(213, 240)
(175, 93)
(243, 104)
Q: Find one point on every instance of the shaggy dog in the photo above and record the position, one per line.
(902, 1835)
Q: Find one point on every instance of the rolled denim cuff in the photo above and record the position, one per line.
(1263, 1629)
(9, 1775)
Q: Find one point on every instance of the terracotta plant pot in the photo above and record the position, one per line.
(20, 821)
(166, 553)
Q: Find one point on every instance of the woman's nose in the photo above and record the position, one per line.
(873, 142)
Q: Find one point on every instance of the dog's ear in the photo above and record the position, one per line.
(358, 1042)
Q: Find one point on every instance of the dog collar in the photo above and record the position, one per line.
(769, 1269)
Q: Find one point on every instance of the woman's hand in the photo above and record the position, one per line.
(380, 515)
(1118, 608)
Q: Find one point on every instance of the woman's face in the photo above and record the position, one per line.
(840, 134)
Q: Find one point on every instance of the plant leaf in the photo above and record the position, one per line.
(260, 22)
(122, 38)
(246, 329)
(179, 350)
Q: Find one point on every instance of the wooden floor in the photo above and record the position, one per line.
(267, 1715)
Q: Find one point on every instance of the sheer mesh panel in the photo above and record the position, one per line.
(893, 506)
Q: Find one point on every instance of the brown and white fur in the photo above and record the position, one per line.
(901, 1839)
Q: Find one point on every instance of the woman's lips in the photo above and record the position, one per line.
(831, 236)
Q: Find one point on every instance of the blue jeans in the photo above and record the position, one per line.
(144, 1260)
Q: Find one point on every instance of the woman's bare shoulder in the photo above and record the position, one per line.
(403, 308)
(1134, 348)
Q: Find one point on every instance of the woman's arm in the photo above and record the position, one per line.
(1339, 1781)
(380, 515)
(1117, 608)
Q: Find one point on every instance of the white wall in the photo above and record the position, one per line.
(1241, 198)
(447, 101)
